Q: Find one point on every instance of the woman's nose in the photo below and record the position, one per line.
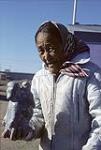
(46, 55)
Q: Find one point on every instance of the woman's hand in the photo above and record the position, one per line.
(24, 132)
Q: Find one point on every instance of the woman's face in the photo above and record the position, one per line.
(50, 50)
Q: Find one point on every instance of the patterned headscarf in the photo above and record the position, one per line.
(72, 46)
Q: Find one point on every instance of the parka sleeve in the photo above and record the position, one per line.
(94, 99)
(37, 120)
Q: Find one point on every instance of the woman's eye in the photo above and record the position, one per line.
(51, 49)
(41, 51)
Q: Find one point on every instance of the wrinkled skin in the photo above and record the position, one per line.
(51, 51)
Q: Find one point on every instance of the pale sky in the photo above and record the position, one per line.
(19, 20)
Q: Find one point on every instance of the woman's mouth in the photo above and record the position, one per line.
(50, 62)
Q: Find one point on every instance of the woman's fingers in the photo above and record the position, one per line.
(19, 133)
(16, 134)
(30, 135)
(6, 133)
(74, 70)
(13, 134)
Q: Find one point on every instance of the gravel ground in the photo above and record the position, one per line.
(6, 144)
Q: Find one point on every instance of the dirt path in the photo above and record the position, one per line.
(6, 144)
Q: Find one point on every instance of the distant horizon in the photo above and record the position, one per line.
(4, 71)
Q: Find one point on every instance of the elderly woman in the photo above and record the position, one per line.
(67, 92)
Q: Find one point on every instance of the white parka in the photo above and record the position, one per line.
(68, 110)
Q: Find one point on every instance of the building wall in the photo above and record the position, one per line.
(18, 76)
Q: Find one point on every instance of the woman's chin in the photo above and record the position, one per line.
(53, 70)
